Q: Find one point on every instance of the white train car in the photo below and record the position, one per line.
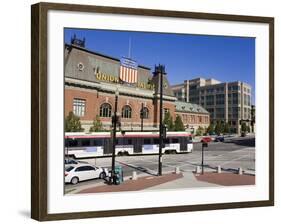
(85, 145)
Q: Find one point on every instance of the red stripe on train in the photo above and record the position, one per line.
(127, 136)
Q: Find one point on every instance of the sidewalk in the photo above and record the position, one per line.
(172, 181)
(134, 185)
(188, 181)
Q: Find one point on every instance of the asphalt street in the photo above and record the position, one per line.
(230, 155)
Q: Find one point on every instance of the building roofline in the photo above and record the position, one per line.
(100, 54)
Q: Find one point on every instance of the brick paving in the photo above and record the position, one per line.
(226, 179)
(134, 185)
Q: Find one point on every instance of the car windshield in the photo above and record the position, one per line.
(69, 168)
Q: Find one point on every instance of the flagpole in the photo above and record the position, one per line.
(129, 53)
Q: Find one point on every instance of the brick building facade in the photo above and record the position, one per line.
(91, 82)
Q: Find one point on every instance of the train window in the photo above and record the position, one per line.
(86, 142)
(130, 141)
(156, 141)
(147, 141)
(120, 141)
(175, 140)
(72, 143)
(98, 142)
(166, 140)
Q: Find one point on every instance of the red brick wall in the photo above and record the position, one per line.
(94, 99)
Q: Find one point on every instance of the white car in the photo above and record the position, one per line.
(80, 172)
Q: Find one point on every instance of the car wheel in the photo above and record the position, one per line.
(102, 175)
(74, 180)
(120, 154)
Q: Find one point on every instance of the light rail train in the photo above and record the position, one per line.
(86, 145)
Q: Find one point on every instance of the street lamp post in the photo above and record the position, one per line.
(114, 134)
(160, 69)
(142, 116)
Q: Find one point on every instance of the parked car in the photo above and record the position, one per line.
(219, 138)
(206, 139)
(80, 172)
(73, 161)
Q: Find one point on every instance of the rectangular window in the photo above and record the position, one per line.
(79, 107)
(98, 142)
(146, 141)
(156, 141)
(86, 142)
(175, 140)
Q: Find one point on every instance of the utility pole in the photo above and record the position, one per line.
(114, 123)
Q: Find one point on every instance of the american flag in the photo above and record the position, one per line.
(128, 70)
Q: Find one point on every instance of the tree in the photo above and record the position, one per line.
(226, 128)
(72, 123)
(168, 121)
(253, 117)
(97, 125)
(248, 128)
(210, 129)
(199, 131)
(179, 124)
(218, 128)
(243, 127)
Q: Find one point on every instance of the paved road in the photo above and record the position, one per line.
(230, 155)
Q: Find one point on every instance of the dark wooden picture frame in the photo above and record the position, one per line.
(39, 121)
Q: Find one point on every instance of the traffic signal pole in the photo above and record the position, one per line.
(160, 70)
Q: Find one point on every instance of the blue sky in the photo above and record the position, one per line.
(185, 56)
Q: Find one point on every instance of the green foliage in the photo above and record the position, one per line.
(199, 131)
(243, 127)
(179, 124)
(219, 128)
(97, 125)
(168, 121)
(72, 123)
(210, 129)
(226, 128)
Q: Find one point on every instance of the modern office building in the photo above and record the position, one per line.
(228, 102)
(92, 80)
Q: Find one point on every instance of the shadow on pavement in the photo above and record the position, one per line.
(139, 168)
(249, 142)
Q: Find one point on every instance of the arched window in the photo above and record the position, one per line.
(144, 113)
(105, 110)
(126, 112)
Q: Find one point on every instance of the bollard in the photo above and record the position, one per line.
(219, 169)
(177, 170)
(198, 170)
(240, 171)
(134, 176)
